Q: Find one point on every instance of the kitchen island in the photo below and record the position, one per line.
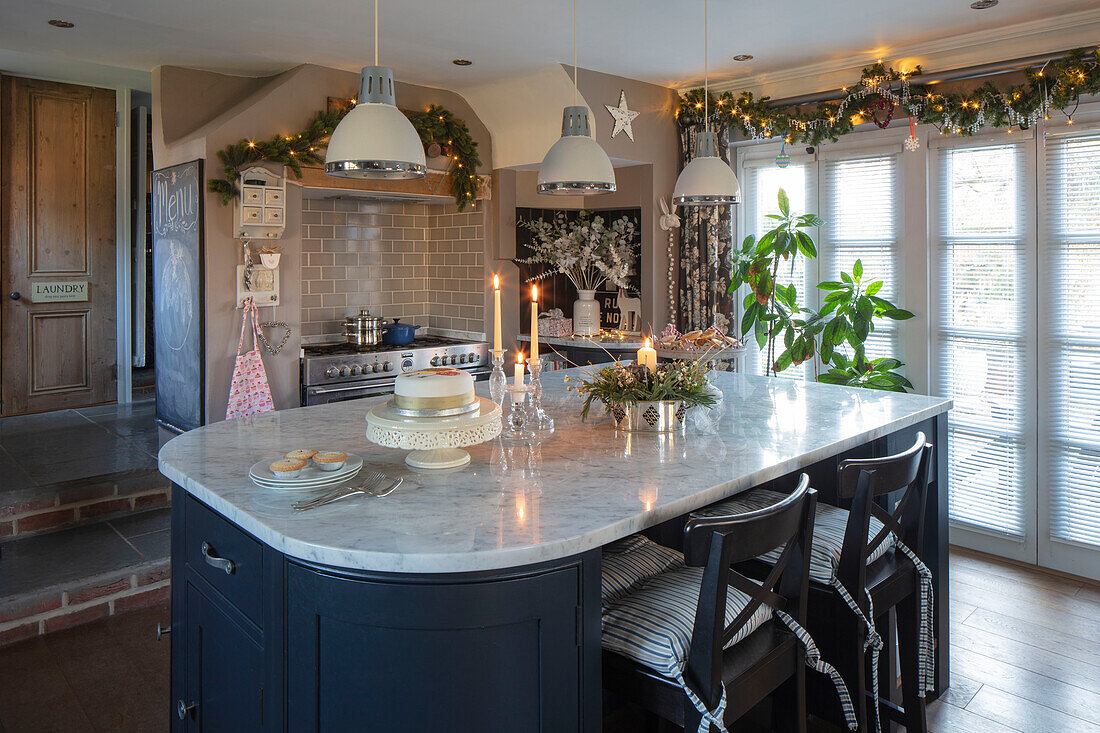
(469, 599)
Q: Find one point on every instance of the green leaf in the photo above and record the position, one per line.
(865, 308)
(833, 377)
(874, 287)
(857, 269)
(886, 363)
(806, 245)
(826, 350)
(749, 318)
(788, 338)
(861, 328)
(784, 203)
(831, 285)
(812, 220)
(898, 314)
(846, 278)
(783, 361)
(761, 333)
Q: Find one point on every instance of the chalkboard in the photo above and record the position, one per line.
(178, 295)
(557, 291)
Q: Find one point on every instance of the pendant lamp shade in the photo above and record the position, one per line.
(375, 139)
(576, 165)
(707, 180)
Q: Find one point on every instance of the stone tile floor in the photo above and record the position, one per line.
(67, 445)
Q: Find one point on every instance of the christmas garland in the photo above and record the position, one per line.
(437, 126)
(1059, 85)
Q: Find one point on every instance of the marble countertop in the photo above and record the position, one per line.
(520, 503)
(633, 341)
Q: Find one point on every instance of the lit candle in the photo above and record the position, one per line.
(534, 322)
(519, 370)
(647, 357)
(496, 313)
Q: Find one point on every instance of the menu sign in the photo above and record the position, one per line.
(59, 291)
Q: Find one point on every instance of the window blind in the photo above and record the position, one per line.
(1071, 353)
(860, 208)
(983, 229)
(763, 179)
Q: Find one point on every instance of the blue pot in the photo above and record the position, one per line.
(397, 333)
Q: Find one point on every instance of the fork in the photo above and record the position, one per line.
(365, 491)
(373, 481)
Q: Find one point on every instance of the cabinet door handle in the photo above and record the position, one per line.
(183, 710)
(221, 563)
(163, 630)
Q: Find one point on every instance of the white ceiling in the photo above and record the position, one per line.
(651, 40)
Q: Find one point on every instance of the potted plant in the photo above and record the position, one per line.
(640, 398)
(790, 333)
(589, 252)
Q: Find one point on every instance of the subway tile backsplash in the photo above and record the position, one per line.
(422, 263)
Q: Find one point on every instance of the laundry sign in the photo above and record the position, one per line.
(59, 291)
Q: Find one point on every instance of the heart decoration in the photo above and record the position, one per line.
(882, 105)
(274, 324)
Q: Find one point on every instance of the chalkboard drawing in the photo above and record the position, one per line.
(176, 306)
(177, 295)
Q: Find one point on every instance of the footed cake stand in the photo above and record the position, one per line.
(435, 442)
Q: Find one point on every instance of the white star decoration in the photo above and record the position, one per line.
(623, 117)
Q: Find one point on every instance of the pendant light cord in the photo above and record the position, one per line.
(706, 71)
(376, 32)
(574, 53)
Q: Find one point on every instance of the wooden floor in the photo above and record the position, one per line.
(1025, 657)
(1025, 651)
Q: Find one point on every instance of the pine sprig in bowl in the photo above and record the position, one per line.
(618, 384)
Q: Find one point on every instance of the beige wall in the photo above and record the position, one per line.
(276, 105)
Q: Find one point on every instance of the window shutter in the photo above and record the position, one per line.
(860, 208)
(1071, 353)
(983, 228)
(763, 179)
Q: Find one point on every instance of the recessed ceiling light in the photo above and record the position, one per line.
(983, 4)
(60, 23)
(462, 62)
(743, 57)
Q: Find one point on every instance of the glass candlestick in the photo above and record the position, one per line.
(496, 379)
(539, 419)
(516, 419)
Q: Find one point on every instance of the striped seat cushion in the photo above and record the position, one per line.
(629, 562)
(829, 526)
(652, 624)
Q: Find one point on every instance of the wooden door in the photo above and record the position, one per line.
(57, 224)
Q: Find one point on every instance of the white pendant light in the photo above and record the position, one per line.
(707, 180)
(375, 139)
(576, 165)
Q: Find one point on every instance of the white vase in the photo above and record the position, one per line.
(586, 314)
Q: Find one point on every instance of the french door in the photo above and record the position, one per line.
(1015, 252)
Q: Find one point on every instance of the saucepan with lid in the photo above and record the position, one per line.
(363, 329)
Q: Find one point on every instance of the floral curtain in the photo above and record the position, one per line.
(706, 236)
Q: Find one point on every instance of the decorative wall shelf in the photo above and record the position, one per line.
(431, 187)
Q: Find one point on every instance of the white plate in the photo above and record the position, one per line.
(309, 476)
(303, 487)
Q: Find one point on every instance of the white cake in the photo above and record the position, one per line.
(434, 389)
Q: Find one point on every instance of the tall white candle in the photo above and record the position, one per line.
(496, 313)
(534, 322)
(647, 357)
(519, 370)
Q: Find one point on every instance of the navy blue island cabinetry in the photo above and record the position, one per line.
(469, 600)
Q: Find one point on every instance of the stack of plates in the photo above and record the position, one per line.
(311, 477)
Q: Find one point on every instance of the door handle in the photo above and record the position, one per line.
(162, 630)
(15, 295)
(183, 710)
(221, 563)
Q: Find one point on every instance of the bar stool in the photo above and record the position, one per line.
(693, 640)
(865, 563)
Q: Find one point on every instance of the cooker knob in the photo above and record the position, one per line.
(471, 357)
(462, 359)
(367, 369)
(454, 359)
(387, 367)
(345, 371)
(435, 361)
(332, 372)
(356, 370)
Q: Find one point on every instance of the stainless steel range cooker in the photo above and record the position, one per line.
(338, 372)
